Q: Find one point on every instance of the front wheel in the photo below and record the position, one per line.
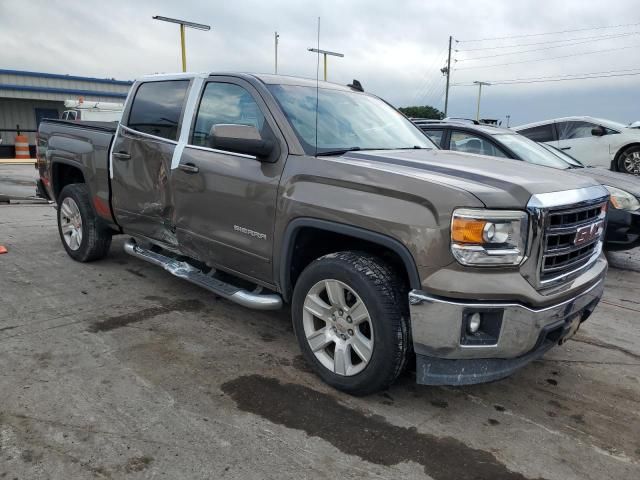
(350, 316)
(82, 236)
(629, 160)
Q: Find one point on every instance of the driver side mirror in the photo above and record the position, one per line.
(598, 131)
(240, 139)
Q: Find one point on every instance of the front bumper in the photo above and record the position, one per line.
(515, 335)
(623, 230)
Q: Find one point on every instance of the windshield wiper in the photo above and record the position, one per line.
(339, 151)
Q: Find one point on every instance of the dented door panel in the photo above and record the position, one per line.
(142, 198)
(225, 213)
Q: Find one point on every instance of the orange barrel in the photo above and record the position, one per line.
(22, 147)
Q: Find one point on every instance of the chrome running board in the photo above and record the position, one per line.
(255, 299)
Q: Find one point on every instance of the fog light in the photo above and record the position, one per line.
(474, 322)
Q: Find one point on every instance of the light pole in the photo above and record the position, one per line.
(275, 38)
(480, 84)
(508, 120)
(325, 53)
(183, 24)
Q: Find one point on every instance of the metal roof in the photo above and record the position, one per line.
(56, 87)
(24, 73)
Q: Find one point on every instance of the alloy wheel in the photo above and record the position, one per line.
(338, 327)
(71, 223)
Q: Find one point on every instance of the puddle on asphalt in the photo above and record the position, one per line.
(118, 321)
(354, 433)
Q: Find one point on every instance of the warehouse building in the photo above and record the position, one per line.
(28, 97)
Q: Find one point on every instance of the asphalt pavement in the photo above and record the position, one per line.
(116, 369)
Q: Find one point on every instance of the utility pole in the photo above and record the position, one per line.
(183, 24)
(275, 38)
(480, 84)
(508, 120)
(325, 53)
(447, 71)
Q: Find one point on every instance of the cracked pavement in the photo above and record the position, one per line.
(116, 369)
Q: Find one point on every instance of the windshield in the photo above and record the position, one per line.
(530, 151)
(346, 121)
(565, 156)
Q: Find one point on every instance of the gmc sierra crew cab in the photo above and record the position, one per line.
(268, 190)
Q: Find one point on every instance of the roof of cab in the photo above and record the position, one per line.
(265, 78)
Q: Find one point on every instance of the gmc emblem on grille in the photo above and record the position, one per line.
(588, 233)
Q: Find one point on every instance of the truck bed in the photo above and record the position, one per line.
(77, 150)
(109, 127)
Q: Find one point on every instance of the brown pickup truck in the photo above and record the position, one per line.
(268, 190)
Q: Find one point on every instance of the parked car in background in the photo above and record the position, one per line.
(593, 141)
(92, 111)
(623, 228)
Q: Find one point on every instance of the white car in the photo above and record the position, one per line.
(593, 141)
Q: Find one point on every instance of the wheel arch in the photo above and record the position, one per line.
(319, 231)
(616, 158)
(63, 173)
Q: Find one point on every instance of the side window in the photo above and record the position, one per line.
(469, 143)
(225, 103)
(542, 133)
(65, 115)
(435, 135)
(157, 106)
(573, 130)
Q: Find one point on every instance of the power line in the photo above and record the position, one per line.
(548, 58)
(531, 50)
(593, 37)
(547, 33)
(562, 79)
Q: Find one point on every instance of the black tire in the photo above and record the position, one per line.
(386, 300)
(634, 149)
(96, 239)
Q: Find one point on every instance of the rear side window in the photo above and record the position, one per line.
(541, 133)
(157, 106)
(469, 143)
(226, 103)
(435, 136)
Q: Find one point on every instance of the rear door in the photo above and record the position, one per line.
(141, 159)
(226, 201)
(576, 139)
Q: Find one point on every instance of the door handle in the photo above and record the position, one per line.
(188, 168)
(565, 148)
(121, 155)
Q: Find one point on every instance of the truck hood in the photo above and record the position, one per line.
(623, 181)
(498, 183)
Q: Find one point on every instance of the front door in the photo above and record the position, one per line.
(141, 160)
(226, 201)
(576, 139)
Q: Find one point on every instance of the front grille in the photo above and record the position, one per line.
(572, 237)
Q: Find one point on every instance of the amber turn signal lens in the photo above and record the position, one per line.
(465, 230)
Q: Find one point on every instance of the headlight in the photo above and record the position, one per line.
(488, 237)
(622, 200)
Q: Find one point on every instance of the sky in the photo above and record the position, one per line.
(395, 48)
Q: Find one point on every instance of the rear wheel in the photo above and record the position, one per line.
(82, 236)
(350, 315)
(629, 160)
